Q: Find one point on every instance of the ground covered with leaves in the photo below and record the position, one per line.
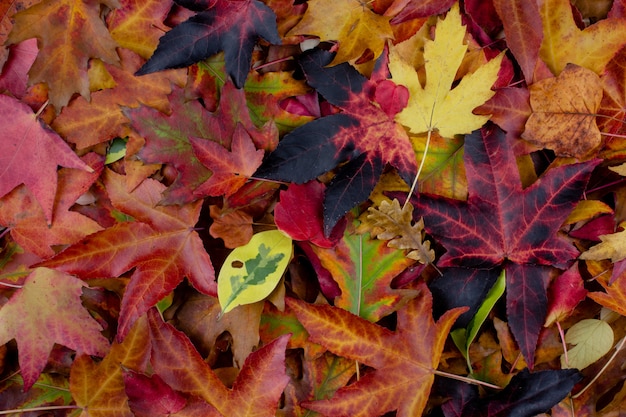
(341, 208)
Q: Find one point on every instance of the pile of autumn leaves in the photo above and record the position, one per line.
(294, 181)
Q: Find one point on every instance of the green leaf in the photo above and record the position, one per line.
(591, 338)
(251, 272)
(116, 151)
(463, 338)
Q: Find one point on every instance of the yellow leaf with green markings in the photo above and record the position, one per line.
(251, 272)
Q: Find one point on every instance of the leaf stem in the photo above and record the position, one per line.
(48, 408)
(419, 170)
(465, 379)
(41, 109)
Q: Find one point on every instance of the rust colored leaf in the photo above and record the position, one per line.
(256, 391)
(613, 104)
(160, 245)
(229, 169)
(233, 226)
(98, 387)
(47, 310)
(69, 34)
(564, 112)
(25, 140)
(509, 108)
(403, 360)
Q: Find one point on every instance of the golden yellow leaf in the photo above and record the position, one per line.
(394, 223)
(564, 43)
(612, 247)
(620, 169)
(436, 106)
(350, 22)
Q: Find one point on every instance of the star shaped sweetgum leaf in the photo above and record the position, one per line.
(502, 225)
(215, 30)
(364, 136)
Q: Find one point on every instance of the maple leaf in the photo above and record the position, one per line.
(613, 247)
(23, 215)
(135, 24)
(363, 135)
(229, 170)
(212, 31)
(256, 391)
(564, 112)
(404, 360)
(403, 10)
(25, 141)
(564, 43)
(167, 137)
(47, 310)
(350, 22)
(14, 75)
(565, 293)
(393, 223)
(103, 116)
(436, 106)
(98, 387)
(611, 111)
(160, 245)
(69, 34)
(503, 225)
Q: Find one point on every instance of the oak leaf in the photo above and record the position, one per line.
(160, 245)
(69, 33)
(47, 310)
(212, 31)
(350, 22)
(404, 361)
(256, 391)
(393, 223)
(504, 226)
(25, 140)
(436, 106)
(229, 169)
(98, 387)
(564, 112)
(564, 43)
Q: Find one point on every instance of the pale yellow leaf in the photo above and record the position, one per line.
(437, 106)
(620, 169)
(612, 247)
(591, 338)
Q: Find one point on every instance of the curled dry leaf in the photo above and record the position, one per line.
(393, 223)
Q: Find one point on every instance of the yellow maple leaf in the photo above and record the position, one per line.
(436, 106)
(564, 43)
(350, 22)
(612, 247)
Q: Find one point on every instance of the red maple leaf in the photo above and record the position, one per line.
(364, 136)
(214, 30)
(504, 226)
(31, 154)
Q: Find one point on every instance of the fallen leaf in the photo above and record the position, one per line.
(47, 310)
(256, 391)
(212, 31)
(350, 22)
(564, 112)
(98, 387)
(436, 106)
(564, 43)
(150, 396)
(26, 141)
(393, 224)
(565, 292)
(403, 360)
(404, 10)
(14, 75)
(613, 246)
(488, 230)
(229, 169)
(591, 340)
(69, 34)
(251, 272)
(161, 246)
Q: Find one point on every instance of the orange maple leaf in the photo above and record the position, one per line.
(404, 360)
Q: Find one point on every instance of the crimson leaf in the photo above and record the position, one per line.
(363, 136)
(504, 226)
(229, 26)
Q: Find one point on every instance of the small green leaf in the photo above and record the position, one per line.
(463, 338)
(116, 151)
(251, 272)
(591, 338)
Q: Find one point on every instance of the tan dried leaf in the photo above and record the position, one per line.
(394, 223)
